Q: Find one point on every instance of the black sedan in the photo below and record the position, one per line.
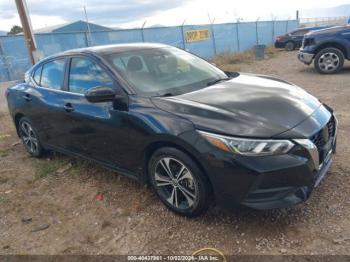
(294, 39)
(165, 117)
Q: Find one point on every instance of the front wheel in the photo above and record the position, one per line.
(179, 182)
(29, 137)
(329, 61)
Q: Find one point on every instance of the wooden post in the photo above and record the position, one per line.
(27, 28)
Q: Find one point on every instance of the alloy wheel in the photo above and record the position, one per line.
(29, 138)
(328, 62)
(175, 183)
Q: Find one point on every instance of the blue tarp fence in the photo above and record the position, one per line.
(221, 38)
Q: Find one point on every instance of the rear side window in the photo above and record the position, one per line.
(37, 75)
(85, 74)
(52, 74)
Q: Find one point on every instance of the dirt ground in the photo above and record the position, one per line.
(58, 205)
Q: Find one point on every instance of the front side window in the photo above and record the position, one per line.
(52, 74)
(161, 71)
(85, 74)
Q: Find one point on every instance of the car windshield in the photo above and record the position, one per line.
(164, 71)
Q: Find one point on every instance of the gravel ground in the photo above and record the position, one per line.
(59, 205)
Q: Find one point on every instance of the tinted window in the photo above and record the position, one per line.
(85, 74)
(37, 75)
(300, 32)
(52, 74)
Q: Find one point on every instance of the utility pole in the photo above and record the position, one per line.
(27, 28)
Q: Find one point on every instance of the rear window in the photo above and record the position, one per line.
(37, 75)
(300, 32)
(52, 74)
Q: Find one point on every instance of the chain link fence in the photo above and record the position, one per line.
(324, 21)
(206, 41)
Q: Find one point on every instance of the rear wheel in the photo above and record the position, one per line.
(29, 137)
(179, 182)
(329, 61)
(290, 46)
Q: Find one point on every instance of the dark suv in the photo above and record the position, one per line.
(328, 48)
(168, 118)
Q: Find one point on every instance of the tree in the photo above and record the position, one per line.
(15, 30)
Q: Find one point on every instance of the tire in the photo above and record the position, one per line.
(290, 46)
(29, 137)
(185, 190)
(329, 61)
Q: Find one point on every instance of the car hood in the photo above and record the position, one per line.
(248, 106)
(330, 30)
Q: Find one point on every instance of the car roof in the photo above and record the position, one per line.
(102, 50)
(309, 28)
(115, 48)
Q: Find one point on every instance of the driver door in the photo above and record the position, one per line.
(96, 130)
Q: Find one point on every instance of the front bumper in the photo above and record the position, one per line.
(266, 182)
(306, 58)
(284, 196)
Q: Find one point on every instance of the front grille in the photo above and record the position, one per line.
(322, 137)
(307, 42)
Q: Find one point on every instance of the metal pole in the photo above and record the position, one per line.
(213, 34)
(142, 34)
(273, 30)
(183, 35)
(237, 34)
(27, 28)
(89, 42)
(214, 42)
(256, 31)
(4, 60)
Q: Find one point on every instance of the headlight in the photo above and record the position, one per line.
(248, 147)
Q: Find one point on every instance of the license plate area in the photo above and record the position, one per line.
(324, 167)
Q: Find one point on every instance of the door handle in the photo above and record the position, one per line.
(68, 107)
(27, 97)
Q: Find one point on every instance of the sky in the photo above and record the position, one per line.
(133, 13)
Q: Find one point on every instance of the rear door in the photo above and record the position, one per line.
(298, 36)
(46, 99)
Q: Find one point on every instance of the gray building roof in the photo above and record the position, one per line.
(78, 26)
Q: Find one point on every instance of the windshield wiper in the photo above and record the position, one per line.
(218, 80)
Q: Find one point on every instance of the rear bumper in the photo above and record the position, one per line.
(306, 58)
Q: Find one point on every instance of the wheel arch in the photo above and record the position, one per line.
(16, 119)
(152, 147)
(337, 45)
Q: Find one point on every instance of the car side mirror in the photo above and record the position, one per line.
(100, 94)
